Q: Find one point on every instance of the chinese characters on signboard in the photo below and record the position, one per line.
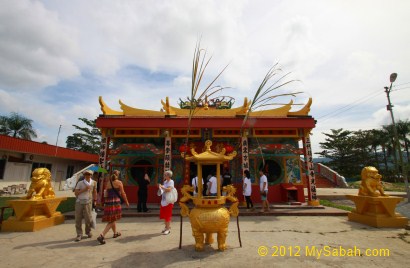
(245, 154)
(310, 169)
(102, 161)
(167, 154)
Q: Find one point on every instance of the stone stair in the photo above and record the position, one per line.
(321, 182)
(275, 210)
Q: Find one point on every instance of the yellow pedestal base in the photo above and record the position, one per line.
(377, 211)
(33, 215)
(314, 203)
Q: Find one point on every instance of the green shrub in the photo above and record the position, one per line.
(65, 206)
(3, 203)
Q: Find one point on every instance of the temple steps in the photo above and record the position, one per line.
(321, 182)
(275, 210)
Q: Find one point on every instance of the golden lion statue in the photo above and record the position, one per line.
(371, 182)
(40, 185)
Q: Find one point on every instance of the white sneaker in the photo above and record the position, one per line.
(166, 232)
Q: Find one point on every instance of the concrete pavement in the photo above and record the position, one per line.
(267, 241)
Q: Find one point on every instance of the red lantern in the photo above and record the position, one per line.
(183, 148)
(228, 148)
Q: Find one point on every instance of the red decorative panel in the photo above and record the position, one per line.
(182, 133)
(285, 132)
(225, 133)
(137, 132)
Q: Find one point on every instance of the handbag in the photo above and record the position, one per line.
(116, 192)
(172, 196)
(93, 219)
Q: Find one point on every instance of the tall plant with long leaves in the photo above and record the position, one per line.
(264, 96)
(199, 65)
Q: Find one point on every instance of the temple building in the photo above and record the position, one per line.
(138, 141)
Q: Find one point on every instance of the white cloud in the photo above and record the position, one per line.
(341, 51)
(36, 49)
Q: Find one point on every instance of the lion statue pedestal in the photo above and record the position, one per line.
(37, 210)
(373, 206)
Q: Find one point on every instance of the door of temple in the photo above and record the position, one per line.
(140, 168)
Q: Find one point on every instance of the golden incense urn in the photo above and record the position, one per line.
(37, 210)
(209, 214)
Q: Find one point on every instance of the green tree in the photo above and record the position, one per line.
(380, 139)
(88, 140)
(391, 146)
(338, 146)
(17, 126)
(403, 131)
(362, 149)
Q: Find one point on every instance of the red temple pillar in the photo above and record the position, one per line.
(245, 156)
(310, 170)
(102, 162)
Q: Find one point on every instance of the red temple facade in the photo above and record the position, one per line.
(138, 141)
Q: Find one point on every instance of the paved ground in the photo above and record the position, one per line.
(287, 241)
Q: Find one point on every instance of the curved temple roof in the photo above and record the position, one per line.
(169, 110)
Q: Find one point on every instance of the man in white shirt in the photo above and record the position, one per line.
(213, 186)
(263, 184)
(86, 193)
(195, 185)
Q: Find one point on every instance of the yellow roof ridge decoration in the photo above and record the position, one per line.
(107, 110)
(281, 111)
(206, 111)
(304, 111)
(169, 110)
(209, 156)
(135, 111)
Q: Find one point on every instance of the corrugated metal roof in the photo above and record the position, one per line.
(31, 147)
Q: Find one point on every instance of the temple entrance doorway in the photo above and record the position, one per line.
(139, 169)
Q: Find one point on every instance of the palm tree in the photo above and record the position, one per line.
(403, 130)
(17, 126)
(384, 143)
(375, 141)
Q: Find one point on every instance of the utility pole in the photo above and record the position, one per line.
(402, 166)
(57, 140)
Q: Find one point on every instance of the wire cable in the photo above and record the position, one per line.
(351, 105)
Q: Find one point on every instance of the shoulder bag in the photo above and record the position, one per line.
(172, 196)
(116, 192)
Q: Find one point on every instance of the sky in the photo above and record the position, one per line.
(57, 57)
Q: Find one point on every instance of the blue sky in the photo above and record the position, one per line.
(58, 57)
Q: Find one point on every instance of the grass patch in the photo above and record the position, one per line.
(328, 203)
(387, 186)
(3, 203)
(65, 206)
